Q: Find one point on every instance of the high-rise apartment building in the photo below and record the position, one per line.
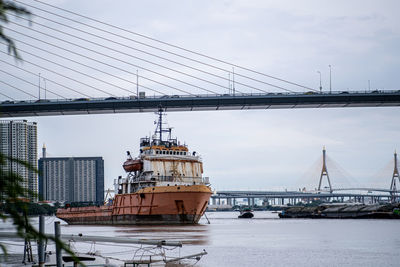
(71, 179)
(18, 139)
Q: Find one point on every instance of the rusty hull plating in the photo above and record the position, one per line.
(163, 185)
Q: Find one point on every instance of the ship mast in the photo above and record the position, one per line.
(159, 129)
(160, 121)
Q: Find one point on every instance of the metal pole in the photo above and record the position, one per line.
(320, 82)
(57, 235)
(137, 84)
(39, 85)
(233, 80)
(330, 79)
(41, 243)
(229, 82)
(45, 88)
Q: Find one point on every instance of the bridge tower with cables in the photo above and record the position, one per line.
(324, 172)
(395, 176)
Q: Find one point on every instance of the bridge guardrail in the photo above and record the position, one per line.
(167, 97)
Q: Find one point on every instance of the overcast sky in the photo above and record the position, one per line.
(252, 149)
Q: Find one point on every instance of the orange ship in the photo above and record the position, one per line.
(164, 185)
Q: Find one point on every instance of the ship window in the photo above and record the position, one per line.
(174, 152)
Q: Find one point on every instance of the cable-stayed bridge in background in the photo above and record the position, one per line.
(74, 64)
(325, 193)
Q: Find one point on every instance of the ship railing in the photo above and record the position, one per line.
(185, 179)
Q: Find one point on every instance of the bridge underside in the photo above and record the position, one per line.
(197, 103)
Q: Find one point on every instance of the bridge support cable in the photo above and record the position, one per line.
(142, 51)
(71, 69)
(164, 50)
(114, 58)
(79, 63)
(7, 96)
(82, 64)
(19, 78)
(18, 89)
(64, 76)
(167, 59)
(47, 79)
(111, 57)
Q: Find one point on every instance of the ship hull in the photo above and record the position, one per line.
(135, 220)
(151, 205)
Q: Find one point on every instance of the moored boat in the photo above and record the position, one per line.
(163, 185)
(246, 213)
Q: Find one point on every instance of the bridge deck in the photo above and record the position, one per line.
(201, 102)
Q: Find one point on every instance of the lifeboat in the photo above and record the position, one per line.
(131, 165)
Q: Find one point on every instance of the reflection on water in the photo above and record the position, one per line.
(264, 240)
(188, 234)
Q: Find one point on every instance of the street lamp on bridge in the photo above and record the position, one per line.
(330, 79)
(320, 81)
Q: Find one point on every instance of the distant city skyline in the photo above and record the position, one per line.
(251, 149)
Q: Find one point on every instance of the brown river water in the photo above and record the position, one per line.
(264, 240)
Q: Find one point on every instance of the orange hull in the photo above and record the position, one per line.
(151, 205)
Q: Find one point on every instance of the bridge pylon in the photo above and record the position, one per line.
(393, 186)
(324, 172)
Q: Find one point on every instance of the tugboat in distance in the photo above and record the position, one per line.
(246, 213)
